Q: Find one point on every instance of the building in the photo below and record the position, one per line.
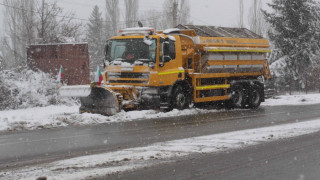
(74, 58)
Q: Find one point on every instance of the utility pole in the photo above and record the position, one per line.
(255, 23)
(175, 13)
(241, 14)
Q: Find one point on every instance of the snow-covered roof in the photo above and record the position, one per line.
(168, 31)
(54, 44)
(214, 31)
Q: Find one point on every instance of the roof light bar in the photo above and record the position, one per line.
(137, 31)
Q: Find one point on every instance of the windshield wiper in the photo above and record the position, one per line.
(118, 59)
(145, 60)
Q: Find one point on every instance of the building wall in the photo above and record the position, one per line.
(74, 58)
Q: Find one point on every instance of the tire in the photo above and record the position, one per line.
(238, 96)
(180, 99)
(254, 99)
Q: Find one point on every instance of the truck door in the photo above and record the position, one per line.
(168, 66)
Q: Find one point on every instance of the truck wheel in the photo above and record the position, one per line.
(238, 96)
(254, 98)
(180, 100)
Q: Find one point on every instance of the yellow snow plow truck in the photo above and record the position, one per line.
(173, 68)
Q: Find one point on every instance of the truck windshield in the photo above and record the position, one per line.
(131, 50)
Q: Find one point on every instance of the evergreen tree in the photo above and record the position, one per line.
(295, 35)
(96, 38)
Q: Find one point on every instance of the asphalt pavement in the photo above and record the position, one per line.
(32, 147)
(290, 159)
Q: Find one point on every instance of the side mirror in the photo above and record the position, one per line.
(166, 52)
(147, 41)
(166, 58)
(106, 48)
(166, 48)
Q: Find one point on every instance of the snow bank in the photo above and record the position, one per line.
(92, 166)
(62, 115)
(28, 89)
(35, 118)
(277, 67)
(304, 99)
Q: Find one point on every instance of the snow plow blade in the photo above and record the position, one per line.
(101, 101)
(94, 99)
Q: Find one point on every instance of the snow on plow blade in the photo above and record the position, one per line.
(100, 101)
(75, 91)
(93, 99)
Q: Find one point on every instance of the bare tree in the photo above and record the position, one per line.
(184, 12)
(176, 12)
(112, 16)
(132, 7)
(154, 18)
(53, 26)
(256, 19)
(28, 20)
(19, 31)
(2, 63)
(28, 23)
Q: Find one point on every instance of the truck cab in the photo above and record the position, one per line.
(144, 66)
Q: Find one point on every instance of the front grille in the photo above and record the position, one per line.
(128, 82)
(113, 75)
(128, 78)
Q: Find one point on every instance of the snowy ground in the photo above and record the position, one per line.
(301, 99)
(59, 116)
(137, 158)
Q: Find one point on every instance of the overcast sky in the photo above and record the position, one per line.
(203, 12)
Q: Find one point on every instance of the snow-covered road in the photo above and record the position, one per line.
(160, 152)
(59, 116)
(164, 152)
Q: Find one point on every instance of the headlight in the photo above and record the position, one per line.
(151, 64)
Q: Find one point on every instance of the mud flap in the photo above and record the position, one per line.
(101, 101)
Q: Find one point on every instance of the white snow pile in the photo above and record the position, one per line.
(300, 99)
(36, 118)
(99, 165)
(278, 66)
(62, 115)
(27, 88)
